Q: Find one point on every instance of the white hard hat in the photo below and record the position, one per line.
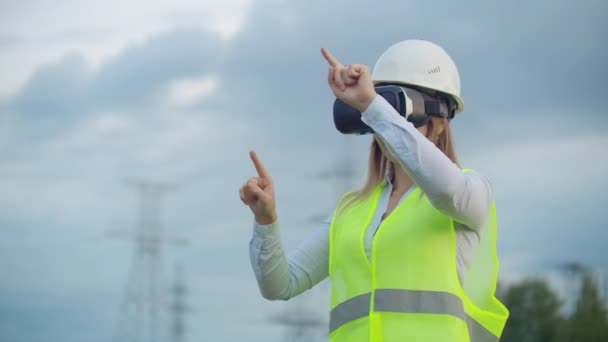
(422, 64)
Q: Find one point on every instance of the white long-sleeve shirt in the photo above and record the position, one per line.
(465, 197)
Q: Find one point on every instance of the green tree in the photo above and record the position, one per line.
(589, 322)
(534, 312)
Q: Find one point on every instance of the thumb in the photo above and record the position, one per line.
(355, 71)
(260, 194)
(264, 183)
(360, 70)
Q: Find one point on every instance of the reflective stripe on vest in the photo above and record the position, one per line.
(408, 301)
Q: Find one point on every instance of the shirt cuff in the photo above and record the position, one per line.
(265, 229)
(379, 110)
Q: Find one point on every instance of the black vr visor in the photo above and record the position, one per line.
(415, 106)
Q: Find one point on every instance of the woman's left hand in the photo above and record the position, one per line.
(350, 83)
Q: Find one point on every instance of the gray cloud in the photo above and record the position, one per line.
(515, 59)
(511, 64)
(54, 91)
(520, 66)
(60, 94)
(8, 41)
(145, 70)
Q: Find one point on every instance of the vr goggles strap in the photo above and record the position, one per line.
(415, 102)
(416, 111)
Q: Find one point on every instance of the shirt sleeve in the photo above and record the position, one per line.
(465, 197)
(281, 276)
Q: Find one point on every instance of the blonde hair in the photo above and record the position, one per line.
(378, 164)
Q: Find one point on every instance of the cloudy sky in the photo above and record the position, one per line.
(96, 94)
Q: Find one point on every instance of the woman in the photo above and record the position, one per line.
(412, 255)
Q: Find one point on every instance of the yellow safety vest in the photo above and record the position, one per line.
(410, 290)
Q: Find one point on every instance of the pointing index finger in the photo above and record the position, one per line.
(330, 58)
(258, 165)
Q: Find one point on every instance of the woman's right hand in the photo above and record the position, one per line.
(258, 193)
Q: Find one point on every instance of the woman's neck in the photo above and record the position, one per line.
(401, 180)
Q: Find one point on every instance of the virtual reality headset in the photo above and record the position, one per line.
(416, 106)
